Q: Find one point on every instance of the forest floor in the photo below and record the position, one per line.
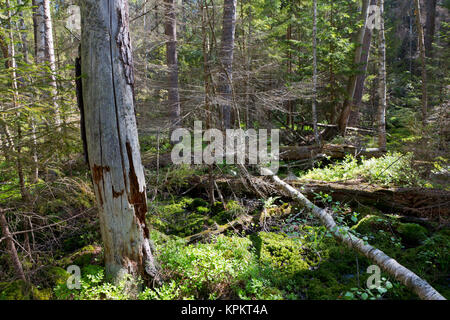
(251, 242)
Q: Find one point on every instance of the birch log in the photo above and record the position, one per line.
(422, 288)
(112, 138)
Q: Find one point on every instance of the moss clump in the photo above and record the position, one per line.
(202, 210)
(193, 223)
(20, 290)
(412, 233)
(217, 207)
(86, 255)
(232, 210)
(182, 218)
(374, 223)
(197, 202)
(281, 252)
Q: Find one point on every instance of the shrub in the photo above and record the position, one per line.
(391, 169)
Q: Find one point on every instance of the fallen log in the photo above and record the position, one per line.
(422, 288)
(242, 220)
(413, 202)
(335, 151)
(417, 202)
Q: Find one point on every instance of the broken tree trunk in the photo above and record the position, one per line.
(294, 153)
(112, 138)
(417, 202)
(419, 286)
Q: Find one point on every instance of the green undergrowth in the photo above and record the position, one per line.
(293, 258)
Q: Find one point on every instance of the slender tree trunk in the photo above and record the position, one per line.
(423, 62)
(226, 55)
(314, 103)
(172, 63)
(206, 71)
(13, 69)
(290, 118)
(112, 138)
(382, 91)
(39, 31)
(24, 45)
(11, 247)
(351, 86)
(430, 26)
(361, 77)
(50, 58)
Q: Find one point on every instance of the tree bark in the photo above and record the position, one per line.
(50, 58)
(382, 91)
(361, 77)
(112, 138)
(430, 26)
(226, 55)
(172, 63)
(351, 86)
(422, 288)
(39, 31)
(423, 61)
(314, 104)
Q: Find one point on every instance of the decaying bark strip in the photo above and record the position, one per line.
(422, 288)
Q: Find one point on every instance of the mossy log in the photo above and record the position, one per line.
(416, 202)
(241, 221)
(422, 288)
(335, 151)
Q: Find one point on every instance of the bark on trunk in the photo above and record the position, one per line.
(430, 26)
(112, 138)
(226, 54)
(361, 77)
(39, 30)
(314, 104)
(382, 91)
(422, 60)
(172, 63)
(50, 58)
(351, 86)
(419, 286)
